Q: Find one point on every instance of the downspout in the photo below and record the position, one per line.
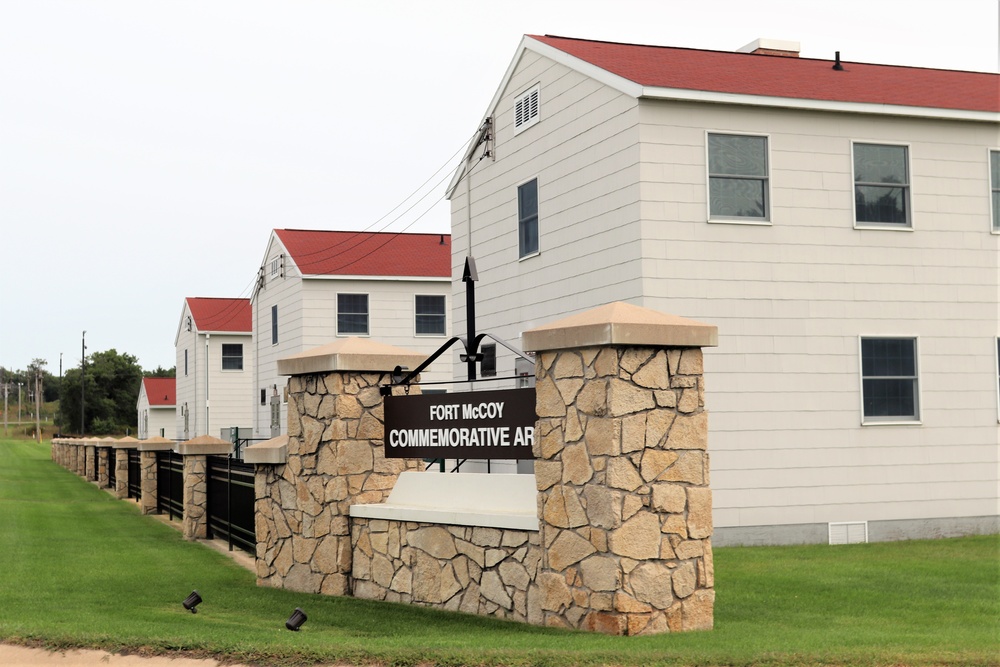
(207, 336)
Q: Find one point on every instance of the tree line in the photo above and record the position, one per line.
(106, 388)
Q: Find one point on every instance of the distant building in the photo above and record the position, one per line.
(838, 221)
(214, 346)
(314, 286)
(156, 407)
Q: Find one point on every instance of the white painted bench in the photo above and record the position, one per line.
(462, 499)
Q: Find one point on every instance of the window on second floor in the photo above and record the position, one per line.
(352, 314)
(889, 379)
(185, 362)
(232, 356)
(488, 366)
(430, 315)
(737, 178)
(881, 186)
(527, 218)
(995, 188)
(274, 325)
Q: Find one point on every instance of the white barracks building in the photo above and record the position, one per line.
(838, 221)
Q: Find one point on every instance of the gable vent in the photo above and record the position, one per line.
(526, 110)
(849, 532)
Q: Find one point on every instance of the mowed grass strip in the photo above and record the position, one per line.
(82, 569)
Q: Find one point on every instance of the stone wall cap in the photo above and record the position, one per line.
(273, 451)
(620, 323)
(155, 444)
(349, 354)
(203, 445)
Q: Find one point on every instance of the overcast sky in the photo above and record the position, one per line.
(147, 148)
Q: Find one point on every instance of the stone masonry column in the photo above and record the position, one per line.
(334, 460)
(90, 465)
(120, 450)
(196, 452)
(625, 507)
(147, 472)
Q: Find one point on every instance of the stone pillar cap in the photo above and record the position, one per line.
(154, 444)
(620, 323)
(349, 354)
(204, 444)
(273, 451)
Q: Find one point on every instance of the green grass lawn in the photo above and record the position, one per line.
(79, 568)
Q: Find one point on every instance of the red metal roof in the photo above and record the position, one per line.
(160, 391)
(212, 314)
(318, 252)
(787, 77)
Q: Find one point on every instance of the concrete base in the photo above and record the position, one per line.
(878, 531)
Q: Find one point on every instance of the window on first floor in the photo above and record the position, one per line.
(995, 188)
(889, 386)
(352, 314)
(232, 356)
(430, 315)
(527, 218)
(737, 177)
(488, 366)
(881, 185)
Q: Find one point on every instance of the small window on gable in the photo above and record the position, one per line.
(275, 266)
(995, 188)
(526, 110)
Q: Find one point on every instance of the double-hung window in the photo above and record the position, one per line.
(429, 315)
(889, 379)
(527, 218)
(881, 186)
(995, 188)
(232, 356)
(737, 178)
(352, 314)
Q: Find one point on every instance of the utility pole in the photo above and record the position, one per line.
(6, 386)
(59, 425)
(83, 381)
(38, 405)
(19, 385)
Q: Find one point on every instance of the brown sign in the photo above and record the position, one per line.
(496, 424)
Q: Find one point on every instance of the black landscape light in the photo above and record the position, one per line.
(296, 620)
(192, 601)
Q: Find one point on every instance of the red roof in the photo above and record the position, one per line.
(212, 314)
(318, 252)
(788, 77)
(160, 391)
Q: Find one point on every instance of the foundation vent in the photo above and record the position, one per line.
(849, 532)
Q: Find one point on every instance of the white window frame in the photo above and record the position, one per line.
(527, 109)
(994, 210)
(739, 220)
(368, 314)
(996, 366)
(908, 190)
(274, 325)
(444, 315)
(276, 265)
(894, 420)
(538, 217)
(223, 357)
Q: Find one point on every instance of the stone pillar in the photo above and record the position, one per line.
(195, 453)
(120, 450)
(625, 508)
(334, 460)
(147, 471)
(91, 462)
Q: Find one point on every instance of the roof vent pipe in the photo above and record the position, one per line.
(836, 64)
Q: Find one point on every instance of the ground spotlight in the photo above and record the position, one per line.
(192, 601)
(296, 620)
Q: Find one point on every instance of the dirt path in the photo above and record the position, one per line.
(22, 656)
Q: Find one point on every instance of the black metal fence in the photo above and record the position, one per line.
(231, 502)
(134, 475)
(170, 484)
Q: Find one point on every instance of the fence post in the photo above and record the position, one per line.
(195, 452)
(625, 507)
(148, 474)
